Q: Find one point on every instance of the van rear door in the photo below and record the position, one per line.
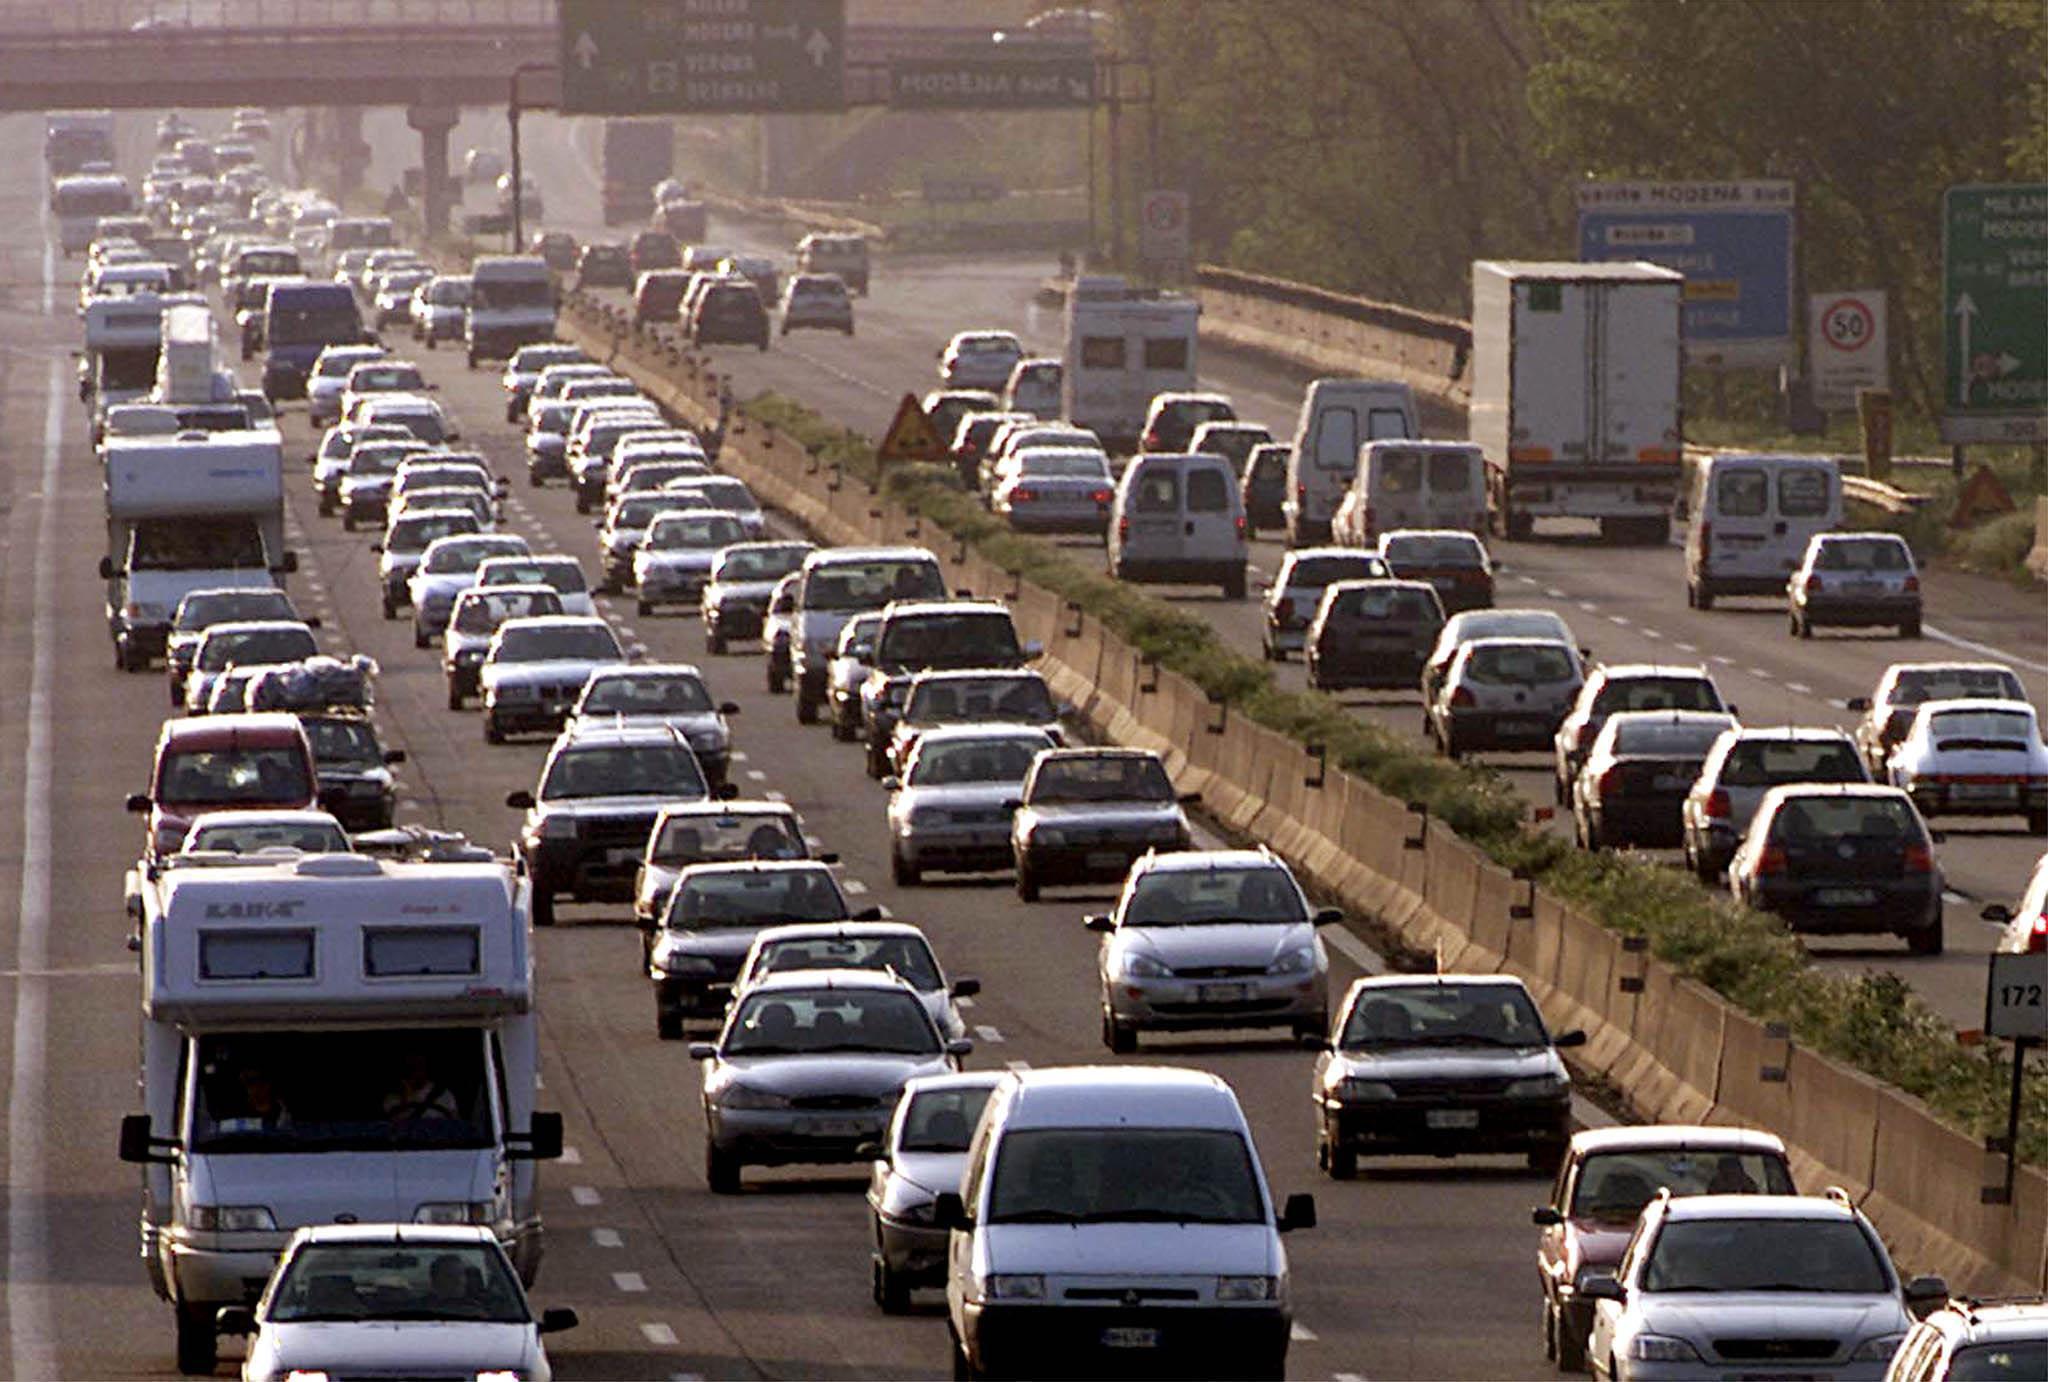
(1736, 524)
(1210, 530)
(1153, 525)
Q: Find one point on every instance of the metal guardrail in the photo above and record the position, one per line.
(1881, 495)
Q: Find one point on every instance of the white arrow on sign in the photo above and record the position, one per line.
(2007, 364)
(819, 47)
(1965, 309)
(585, 50)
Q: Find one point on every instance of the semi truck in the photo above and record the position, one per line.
(1575, 394)
(1124, 345)
(187, 510)
(73, 139)
(327, 1038)
(633, 156)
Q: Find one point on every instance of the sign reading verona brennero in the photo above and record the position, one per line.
(656, 57)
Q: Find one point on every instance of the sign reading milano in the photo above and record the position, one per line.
(683, 57)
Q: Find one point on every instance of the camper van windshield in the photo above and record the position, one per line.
(337, 1091)
(194, 544)
(127, 369)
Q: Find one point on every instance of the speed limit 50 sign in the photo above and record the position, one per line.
(1847, 348)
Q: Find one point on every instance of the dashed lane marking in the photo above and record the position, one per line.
(1760, 673)
(1687, 647)
(1589, 606)
(989, 1034)
(1554, 593)
(1651, 634)
(632, 1283)
(1618, 619)
(607, 1238)
(756, 775)
(1301, 1333)
(775, 796)
(1721, 661)
(962, 1002)
(658, 1334)
(571, 1157)
(739, 756)
(1016, 1065)
(585, 1195)
(853, 887)
(1799, 688)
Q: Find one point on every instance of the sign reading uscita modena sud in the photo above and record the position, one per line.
(1994, 313)
(655, 57)
(1731, 240)
(1846, 349)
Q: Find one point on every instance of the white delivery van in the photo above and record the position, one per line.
(511, 304)
(328, 1038)
(1112, 1214)
(1179, 520)
(1338, 417)
(1752, 517)
(1412, 484)
(1124, 345)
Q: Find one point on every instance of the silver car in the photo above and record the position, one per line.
(1297, 590)
(666, 693)
(848, 671)
(809, 1067)
(1744, 764)
(1209, 939)
(711, 832)
(1857, 580)
(535, 668)
(934, 699)
(477, 614)
(894, 946)
(734, 604)
(447, 568)
(921, 1158)
(1087, 814)
(1056, 490)
(777, 635)
(1466, 625)
(1504, 693)
(951, 808)
(558, 571)
(673, 563)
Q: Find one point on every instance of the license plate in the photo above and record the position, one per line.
(1982, 791)
(1865, 588)
(832, 1127)
(1447, 1119)
(621, 856)
(1127, 1337)
(1223, 993)
(1107, 859)
(1668, 782)
(1517, 724)
(1844, 897)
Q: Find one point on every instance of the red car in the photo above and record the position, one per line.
(224, 762)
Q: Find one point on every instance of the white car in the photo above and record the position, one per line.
(475, 619)
(1975, 758)
(394, 1300)
(563, 573)
(252, 832)
(672, 564)
(419, 415)
(817, 300)
(327, 378)
(980, 359)
(951, 808)
(894, 946)
(448, 566)
(440, 309)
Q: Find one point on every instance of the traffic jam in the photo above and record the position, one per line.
(341, 1130)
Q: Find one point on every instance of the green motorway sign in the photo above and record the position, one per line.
(1994, 274)
(682, 57)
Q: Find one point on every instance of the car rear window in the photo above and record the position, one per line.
(1802, 493)
(1862, 554)
(1208, 492)
(1313, 573)
(1955, 684)
(1834, 1255)
(1767, 763)
(1981, 729)
(1433, 550)
(1742, 493)
(1657, 693)
(1832, 817)
(1525, 666)
(1664, 739)
(1450, 474)
(1400, 603)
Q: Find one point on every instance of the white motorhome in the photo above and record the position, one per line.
(328, 1038)
(187, 510)
(511, 304)
(188, 367)
(80, 200)
(123, 337)
(1123, 345)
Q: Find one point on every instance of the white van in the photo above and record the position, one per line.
(1179, 520)
(1412, 484)
(1034, 388)
(1338, 417)
(1752, 517)
(1112, 1214)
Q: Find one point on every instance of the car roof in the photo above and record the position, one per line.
(1376, 583)
(1993, 1321)
(233, 626)
(1451, 534)
(1688, 1207)
(1675, 1137)
(647, 670)
(755, 866)
(832, 555)
(981, 730)
(906, 609)
(1130, 1095)
(1197, 860)
(608, 734)
(1987, 703)
(874, 980)
(1408, 981)
(555, 621)
(851, 930)
(1616, 671)
(1832, 789)
(225, 731)
(1506, 640)
(973, 674)
(1320, 553)
(394, 1233)
(307, 816)
(486, 592)
(958, 1079)
(1098, 751)
(1625, 718)
(739, 806)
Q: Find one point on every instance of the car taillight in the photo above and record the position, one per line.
(1912, 585)
(1463, 697)
(1706, 538)
(1610, 781)
(1103, 496)
(1022, 496)
(1919, 859)
(1301, 492)
(1240, 525)
(1813, 583)
(1151, 439)
(1717, 804)
(1772, 860)
(1123, 527)
(2037, 935)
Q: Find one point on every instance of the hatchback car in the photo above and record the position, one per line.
(200, 610)
(1207, 940)
(603, 266)
(1504, 693)
(1454, 562)
(1469, 624)
(558, 571)
(1233, 441)
(1842, 860)
(476, 616)
(1626, 686)
(245, 642)
(711, 832)
(1856, 580)
(1265, 487)
(1974, 758)
(535, 668)
(1740, 768)
(1297, 590)
(919, 1158)
(353, 767)
(447, 567)
(731, 313)
(1966, 1339)
(816, 302)
(1087, 814)
(1371, 634)
(847, 671)
(672, 564)
(734, 601)
(1171, 419)
(1632, 788)
(253, 832)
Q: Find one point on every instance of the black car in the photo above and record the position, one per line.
(354, 769)
(1633, 786)
(604, 266)
(557, 249)
(1265, 487)
(1843, 859)
(730, 313)
(1374, 633)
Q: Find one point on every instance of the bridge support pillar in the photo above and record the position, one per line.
(351, 152)
(434, 124)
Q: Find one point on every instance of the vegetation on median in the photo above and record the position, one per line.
(1873, 1021)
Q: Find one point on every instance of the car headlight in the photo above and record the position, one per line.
(469, 657)
(1661, 1348)
(453, 1212)
(143, 610)
(1877, 1350)
(305, 1375)
(1365, 1091)
(1016, 1286)
(676, 962)
(1540, 1087)
(746, 1096)
(1165, 832)
(1247, 1287)
(516, 691)
(1145, 967)
(558, 827)
(498, 1375)
(231, 1218)
(1294, 962)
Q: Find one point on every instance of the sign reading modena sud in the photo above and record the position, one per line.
(1731, 240)
(1846, 346)
(1994, 313)
(655, 57)
(985, 83)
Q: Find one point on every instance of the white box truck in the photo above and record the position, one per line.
(187, 510)
(1575, 394)
(328, 1038)
(1124, 345)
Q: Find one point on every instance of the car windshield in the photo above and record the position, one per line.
(534, 359)
(1666, 739)
(1022, 699)
(320, 1091)
(655, 474)
(1097, 778)
(460, 558)
(726, 494)
(639, 513)
(871, 584)
(1613, 1187)
(481, 613)
(197, 611)
(974, 760)
(641, 770)
(908, 957)
(1768, 762)
(1981, 729)
(1810, 1256)
(1446, 1014)
(196, 544)
(413, 534)
(2007, 1360)
(664, 694)
(337, 364)
(397, 1281)
(1862, 554)
(227, 776)
(1656, 693)
(255, 645)
(815, 1022)
(342, 742)
(755, 897)
(1812, 820)
(1313, 573)
(1125, 1175)
(289, 325)
(759, 563)
(567, 642)
(711, 838)
(565, 576)
(942, 1120)
(1521, 665)
(694, 533)
(1955, 684)
(379, 378)
(1385, 601)
(1203, 897)
(948, 640)
(1432, 550)
(247, 837)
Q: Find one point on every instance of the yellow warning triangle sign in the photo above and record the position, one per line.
(911, 436)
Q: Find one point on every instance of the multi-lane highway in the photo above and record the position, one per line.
(1420, 1270)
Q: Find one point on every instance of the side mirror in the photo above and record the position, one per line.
(949, 1211)
(966, 988)
(867, 914)
(236, 1320)
(394, 756)
(868, 1151)
(1603, 1287)
(138, 803)
(1733, 709)
(830, 856)
(1926, 1290)
(1574, 1037)
(521, 800)
(1190, 798)
(1033, 648)
(1298, 1212)
(1545, 1216)
(136, 1143)
(1096, 921)
(728, 707)
(106, 568)
(311, 621)
(959, 1046)
(1858, 703)
(1938, 837)
(557, 1319)
(703, 1050)
(892, 783)
(288, 563)
(376, 547)
(728, 791)
(1998, 914)
(1327, 916)
(1012, 804)
(543, 1140)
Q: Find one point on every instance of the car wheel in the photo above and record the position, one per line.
(646, 607)
(1560, 790)
(842, 729)
(1310, 1033)
(419, 636)
(1233, 584)
(714, 644)
(198, 1341)
(668, 1023)
(326, 507)
(1121, 1040)
(492, 734)
(1703, 596)
(1910, 628)
(1928, 939)
(1027, 882)
(582, 502)
(807, 710)
(390, 610)
(1571, 1345)
(891, 1293)
(1453, 750)
(877, 760)
(721, 1170)
(1792, 624)
(905, 873)
(455, 696)
(348, 523)
(533, 479)
(1336, 1161)
(543, 906)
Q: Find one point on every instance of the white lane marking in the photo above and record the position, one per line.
(658, 1334)
(1525, 580)
(1799, 688)
(756, 775)
(1016, 1065)
(961, 1002)
(1349, 1377)
(607, 1238)
(571, 1157)
(852, 887)
(585, 1195)
(1721, 661)
(1354, 950)
(775, 796)
(1618, 619)
(1761, 674)
(739, 756)
(814, 842)
(540, 1081)
(1588, 606)
(1651, 634)
(1553, 592)
(989, 1034)
(1982, 649)
(28, 1234)
(632, 1283)
(1301, 1333)
(1687, 647)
